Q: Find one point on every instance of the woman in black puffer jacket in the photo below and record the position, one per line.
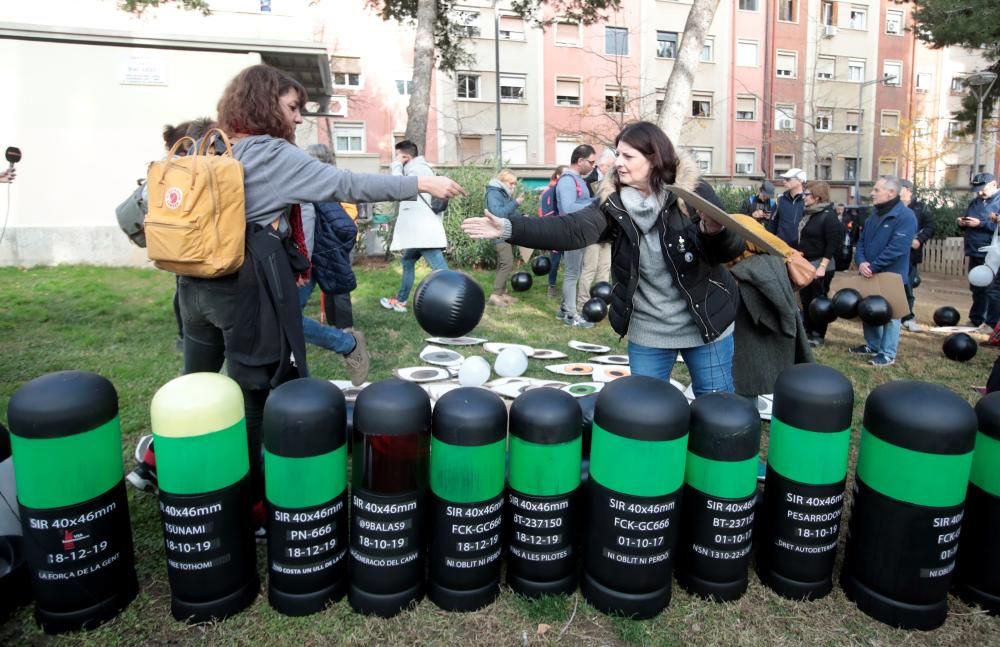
(820, 236)
(671, 292)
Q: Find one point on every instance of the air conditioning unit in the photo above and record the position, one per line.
(829, 31)
(745, 168)
(338, 105)
(785, 124)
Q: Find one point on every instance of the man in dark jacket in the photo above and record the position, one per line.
(978, 229)
(925, 231)
(884, 246)
(785, 223)
(762, 205)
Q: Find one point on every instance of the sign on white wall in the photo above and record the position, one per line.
(142, 67)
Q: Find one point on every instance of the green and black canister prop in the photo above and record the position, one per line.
(978, 573)
(542, 493)
(392, 434)
(66, 439)
(203, 467)
(305, 463)
(720, 488)
(638, 445)
(807, 456)
(468, 459)
(914, 460)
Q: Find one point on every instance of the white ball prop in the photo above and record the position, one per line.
(981, 276)
(511, 362)
(474, 371)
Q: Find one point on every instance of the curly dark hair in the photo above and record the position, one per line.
(655, 146)
(249, 106)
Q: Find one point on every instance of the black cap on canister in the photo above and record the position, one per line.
(62, 404)
(642, 408)
(814, 398)
(545, 416)
(392, 407)
(922, 417)
(470, 417)
(305, 417)
(724, 427)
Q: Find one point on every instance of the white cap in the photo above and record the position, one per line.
(795, 173)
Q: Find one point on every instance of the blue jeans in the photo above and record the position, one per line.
(328, 337)
(710, 365)
(884, 340)
(434, 258)
(554, 272)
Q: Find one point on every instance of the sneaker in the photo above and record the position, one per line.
(392, 303)
(881, 360)
(508, 299)
(260, 534)
(577, 322)
(912, 325)
(358, 360)
(497, 300)
(143, 477)
(985, 328)
(554, 292)
(141, 447)
(562, 315)
(863, 349)
(815, 342)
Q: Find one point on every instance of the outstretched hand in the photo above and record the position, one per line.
(7, 175)
(440, 186)
(488, 227)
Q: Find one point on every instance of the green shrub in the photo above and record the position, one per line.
(733, 196)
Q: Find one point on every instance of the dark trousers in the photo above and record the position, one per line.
(555, 257)
(338, 310)
(985, 300)
(818, 288)
(908, 287)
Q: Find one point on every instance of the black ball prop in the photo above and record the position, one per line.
(845, 303)
(448, 303)
(946, 316)
(959, 347)
(521, 281)
(875, 310)
(602, 291)
(541, 265)
(821, 311)
(595, 310)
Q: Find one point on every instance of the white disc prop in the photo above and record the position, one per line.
(511, 362)
(474, 371)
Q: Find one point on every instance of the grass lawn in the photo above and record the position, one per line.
(119, 323)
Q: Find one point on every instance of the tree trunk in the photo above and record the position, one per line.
(423, 68)
(677, 100)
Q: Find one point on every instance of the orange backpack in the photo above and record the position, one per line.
(196, 222)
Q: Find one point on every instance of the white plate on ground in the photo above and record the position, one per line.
(677, 385)
(577, 368)
(514, 389)
(422, 373)
(581, 389)
(765, 405)
(588, 347)
(456, 341)
(496, 347)
(620, 360)
(689, 394)
(436, 389)
(605, 373)
(441, 356)
(953, 329)
(547, 353)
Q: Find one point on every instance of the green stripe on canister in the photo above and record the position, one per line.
(936, 480)
(637, 467)
(51, 474)
(722, 479)
(545, 470)
(222, 460)
(986, 464)
(305, 482)
(467, 474)
(815, 458)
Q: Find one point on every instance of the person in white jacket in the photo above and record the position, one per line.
(419, 231)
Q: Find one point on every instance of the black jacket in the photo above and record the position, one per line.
(694, 258)
(925, 229)
(822, 235)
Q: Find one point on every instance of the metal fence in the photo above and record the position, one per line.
(945, 256)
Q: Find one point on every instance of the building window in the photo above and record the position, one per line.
(708, 50)
(469, 148)
(954, 131)
(568, 33)
(564, 149)
(568, 92)
(826, 13)
(786, 64)
(614, 98)
(825, 67)
(787, 10)
(951, 174)
(824, 119)
(749, 5)
(784, 117)
(924, 81)
(515, 149)
(468, 86)
(511, 88)
(746, 53)
(659, 106)
(701, 105)
(824, 169)
(666, 44)
(887, 166)
(958, 85)
(850, 168)
(467, 23)
(921, 128)
(404, 88)
(782, 163)
(894, 22)
(858, 18)
(893, 70)
(703, 158)
(511, 27)
(349, 138)
(746, 108)
(856, 70)
(745, 162)
(889, 124)
(853, 121)
(347, 79)
(616, 41)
